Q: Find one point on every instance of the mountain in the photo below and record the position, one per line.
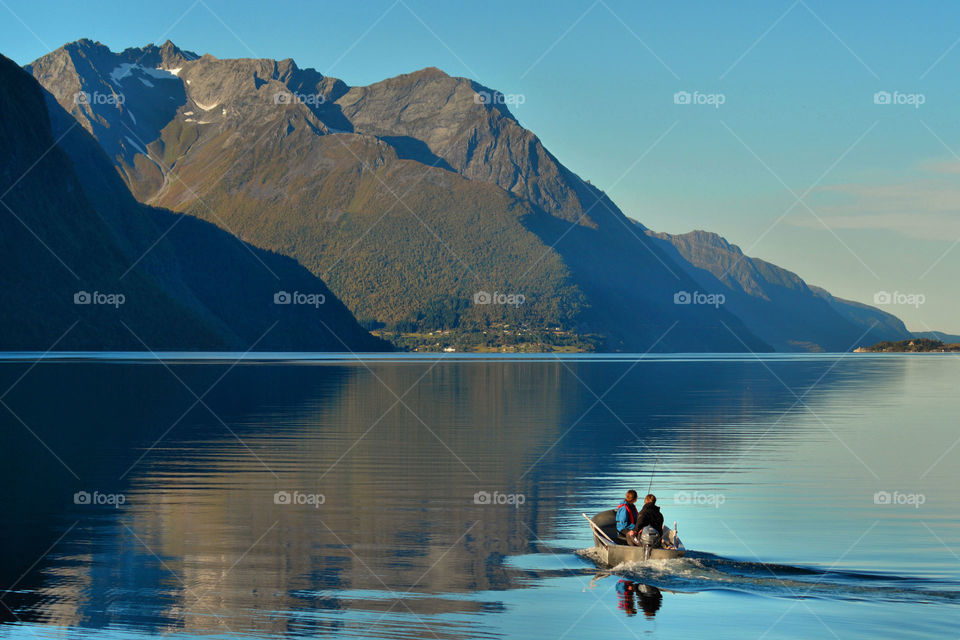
(464, 126)
(883, 324)
(777, 304)
(948, 338)
(412, 198)
(87, 267)
(424, 203)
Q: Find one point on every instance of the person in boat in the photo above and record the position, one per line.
(627, 517)
(649, 515)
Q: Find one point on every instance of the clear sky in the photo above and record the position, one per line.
(799, 165)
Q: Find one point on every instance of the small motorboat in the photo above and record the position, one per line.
(613, 549)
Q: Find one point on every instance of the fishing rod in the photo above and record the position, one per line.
(656, 460)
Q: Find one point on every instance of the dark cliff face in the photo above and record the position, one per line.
(777, 304)
(185, 283)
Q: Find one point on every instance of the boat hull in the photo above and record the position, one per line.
(618, 554)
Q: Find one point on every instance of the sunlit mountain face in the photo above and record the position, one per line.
(424, 204)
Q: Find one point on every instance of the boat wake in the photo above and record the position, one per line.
(704, 572)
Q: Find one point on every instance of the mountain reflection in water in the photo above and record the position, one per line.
(340, 497)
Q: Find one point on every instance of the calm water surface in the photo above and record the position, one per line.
(421, 498)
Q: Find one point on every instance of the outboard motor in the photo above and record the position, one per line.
(649, 538)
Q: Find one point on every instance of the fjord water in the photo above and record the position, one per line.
(404, 497)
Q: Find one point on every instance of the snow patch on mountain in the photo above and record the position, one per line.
(125, 69)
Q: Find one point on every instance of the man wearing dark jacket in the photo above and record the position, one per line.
(650, 515)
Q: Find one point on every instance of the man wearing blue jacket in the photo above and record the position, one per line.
(627, 518)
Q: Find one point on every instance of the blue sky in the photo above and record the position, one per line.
(798, 165)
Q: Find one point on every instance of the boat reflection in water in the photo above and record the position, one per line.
(630, 593)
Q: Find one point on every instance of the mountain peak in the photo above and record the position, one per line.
(428, 72)
(166, 56)
(169, 48)
(84, 45)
